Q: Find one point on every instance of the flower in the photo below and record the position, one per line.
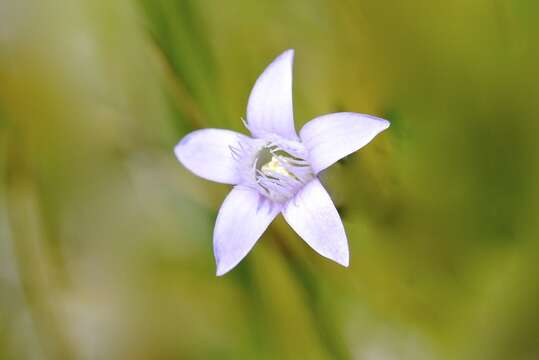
(276, 171)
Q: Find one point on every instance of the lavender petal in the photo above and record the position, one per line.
(331, 137)
(313, 216)
(208, 154)
(243, 217)
(269, 110)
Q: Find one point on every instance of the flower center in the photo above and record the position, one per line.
(268, 163)
(279, 174)
(275, 167)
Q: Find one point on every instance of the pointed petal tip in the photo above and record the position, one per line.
(289, 55)
(289, 52)
(342, 259)
(382, 123)
(178, 150)
(222, 266)
(221, 271)
(344, 262)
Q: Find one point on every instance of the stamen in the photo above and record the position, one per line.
(275, 167)
(279, 173)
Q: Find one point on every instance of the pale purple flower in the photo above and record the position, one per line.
(276, 171)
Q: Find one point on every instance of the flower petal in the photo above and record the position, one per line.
(243, 217)
(331, 137)
(313, 216)
(207, 154)
(270, 110)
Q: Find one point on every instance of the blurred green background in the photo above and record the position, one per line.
(105, 240)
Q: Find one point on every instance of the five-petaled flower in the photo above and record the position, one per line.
(275, 171)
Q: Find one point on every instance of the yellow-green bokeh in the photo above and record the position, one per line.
(105, 240)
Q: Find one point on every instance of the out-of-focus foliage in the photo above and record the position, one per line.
(105, 240)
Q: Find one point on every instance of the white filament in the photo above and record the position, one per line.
(276, 168)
